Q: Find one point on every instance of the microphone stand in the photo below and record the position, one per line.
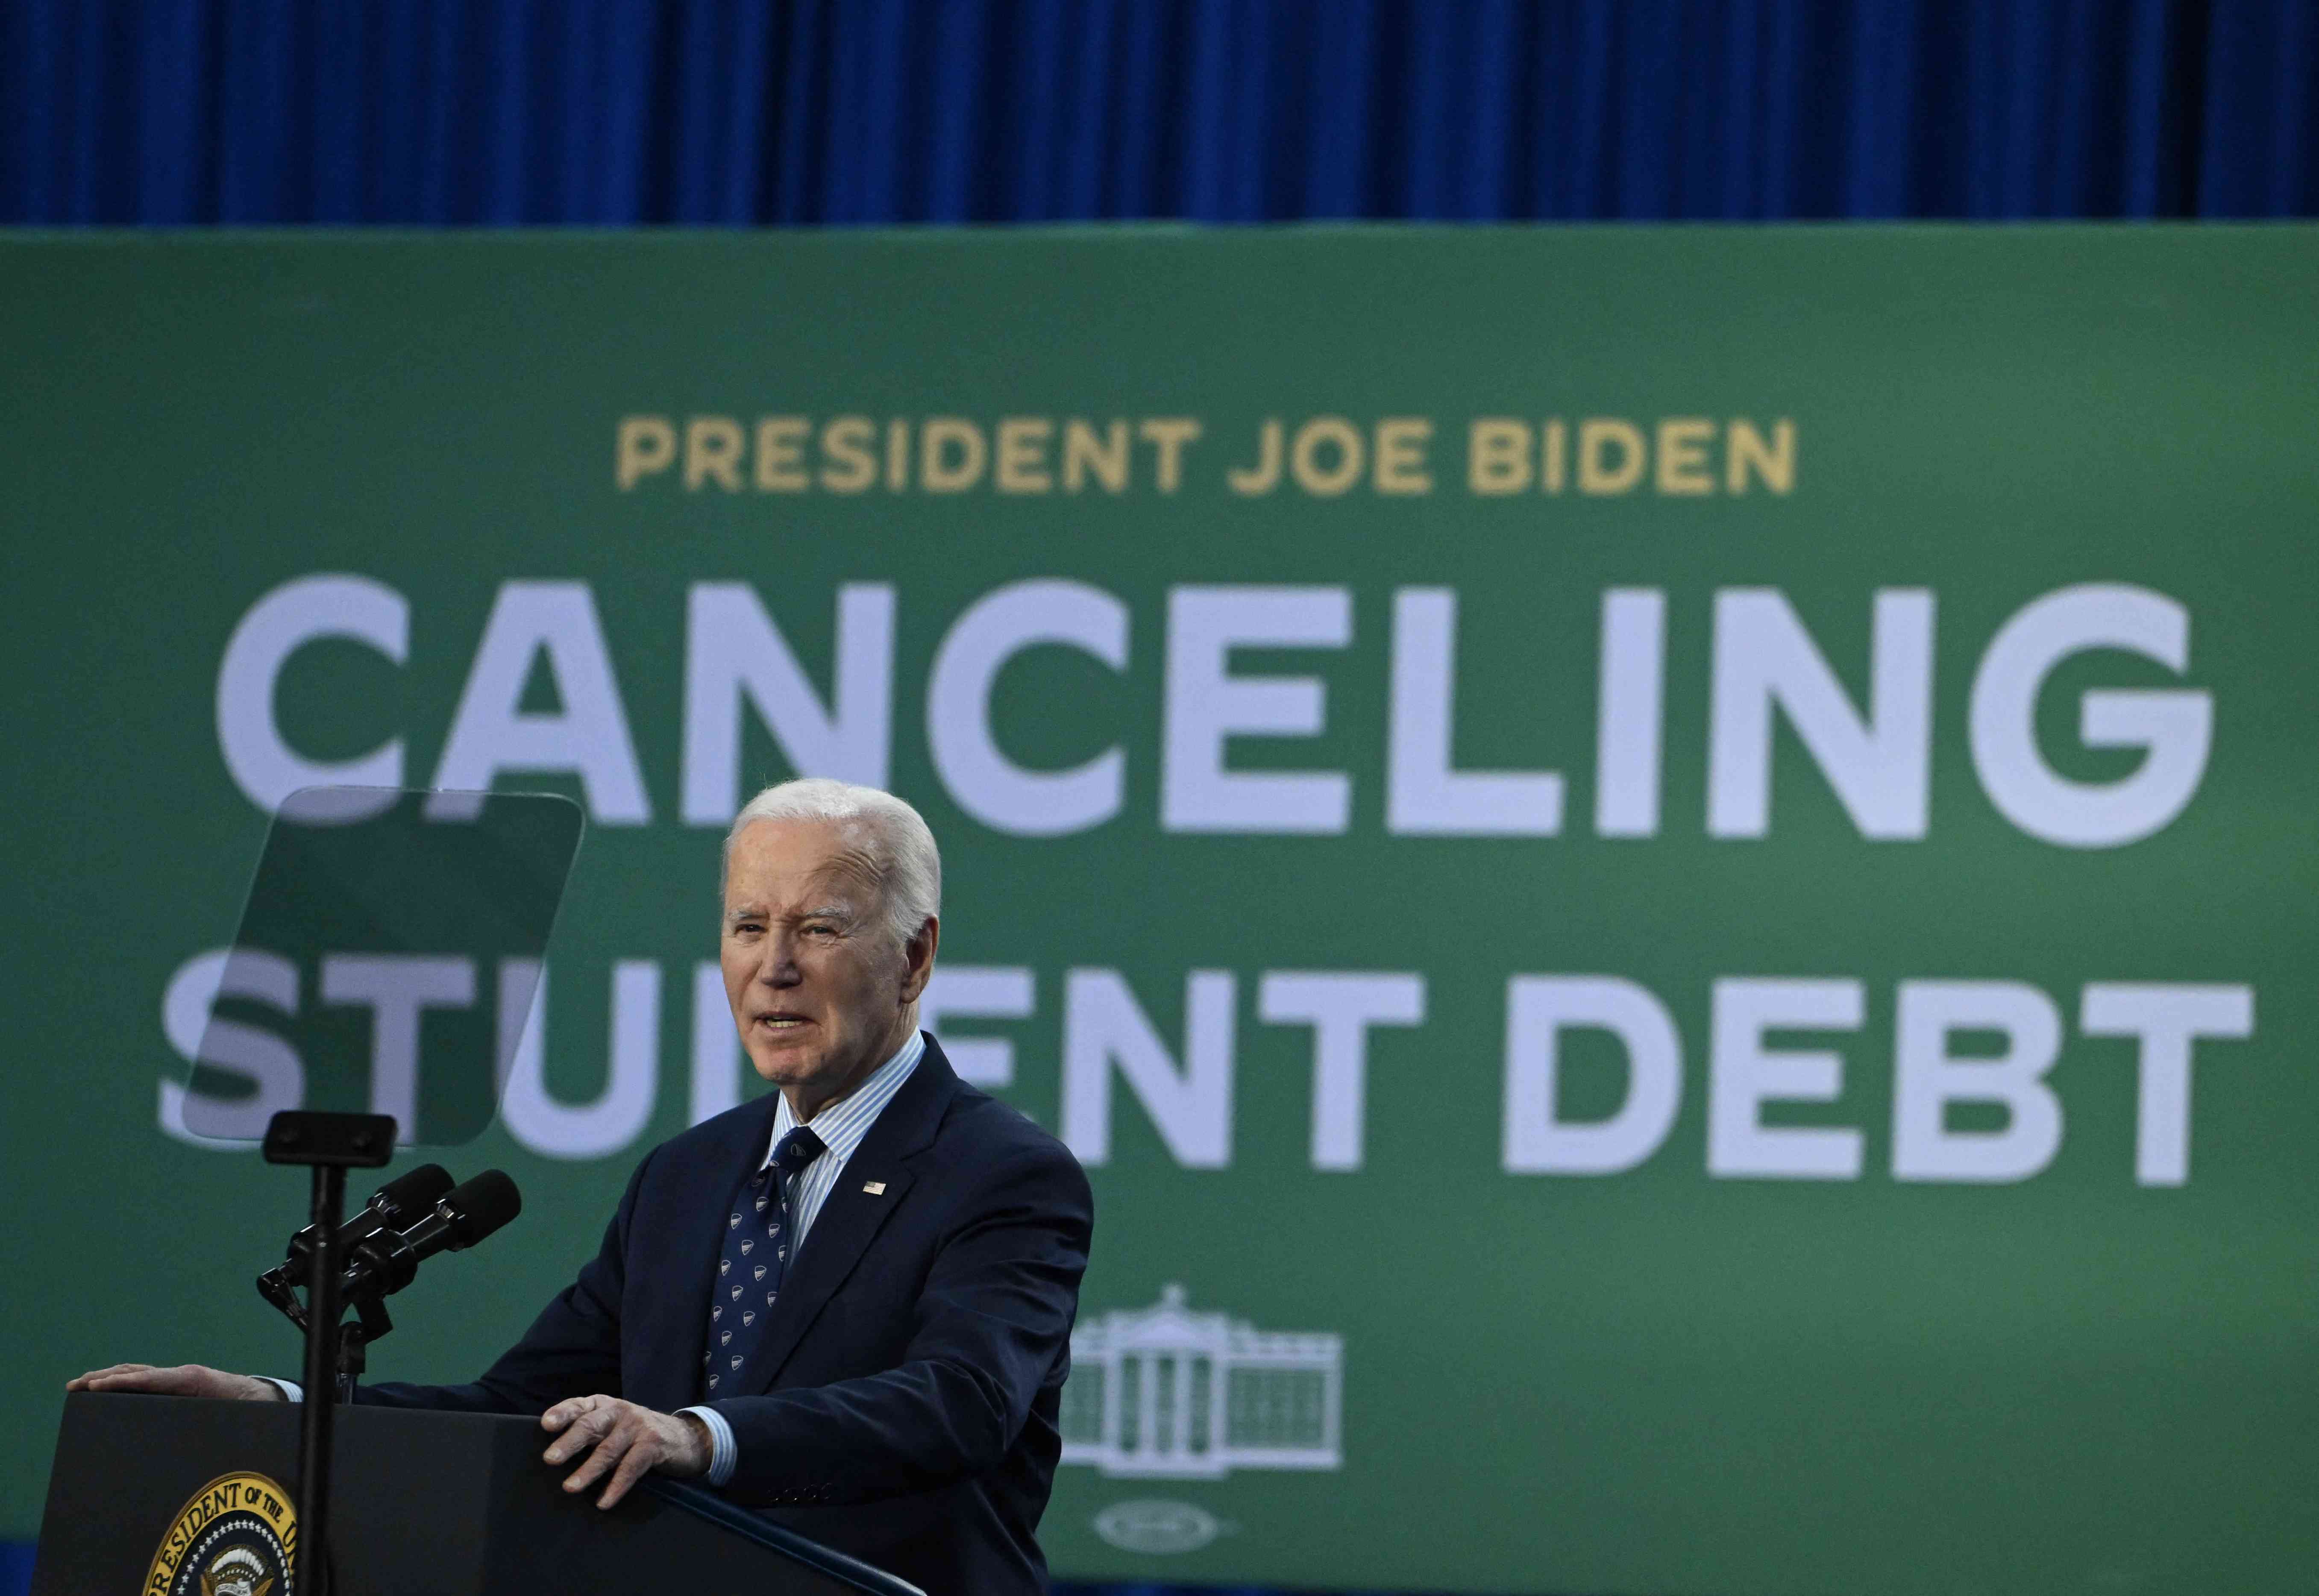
(329, 1144)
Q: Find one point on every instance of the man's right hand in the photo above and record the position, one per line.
(186, 1379)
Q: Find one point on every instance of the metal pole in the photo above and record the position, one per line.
(312, 1577)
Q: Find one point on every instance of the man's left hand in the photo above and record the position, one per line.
(623, 1441)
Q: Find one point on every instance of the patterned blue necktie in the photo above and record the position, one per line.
(758, 1239)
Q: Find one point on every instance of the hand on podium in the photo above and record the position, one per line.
(186, 1379)
(618, 1438)
(635, 1440)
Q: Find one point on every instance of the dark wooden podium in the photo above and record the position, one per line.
(422, 1505)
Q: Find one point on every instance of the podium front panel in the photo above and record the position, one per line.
(443, 1504)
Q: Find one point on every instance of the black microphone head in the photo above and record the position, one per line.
(480, 1206)
(408, 1195)
(397, 1205)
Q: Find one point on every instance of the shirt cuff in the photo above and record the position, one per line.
(290, 1389)
(723, 1454)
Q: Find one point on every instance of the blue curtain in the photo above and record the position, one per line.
(735, 111)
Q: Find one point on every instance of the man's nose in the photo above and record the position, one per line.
(778, 967)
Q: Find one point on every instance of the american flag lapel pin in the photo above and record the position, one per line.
(876, 1188)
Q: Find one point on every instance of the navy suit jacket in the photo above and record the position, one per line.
(903, 1407)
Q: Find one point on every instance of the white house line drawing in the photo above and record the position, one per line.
(1165, 1392)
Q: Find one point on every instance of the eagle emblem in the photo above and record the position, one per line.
(232, 1537)
(238, 1572)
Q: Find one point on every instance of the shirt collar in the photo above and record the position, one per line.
(842, 1124)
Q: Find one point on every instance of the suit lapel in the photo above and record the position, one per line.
(852, 1217)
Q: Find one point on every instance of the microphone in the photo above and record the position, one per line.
(398, 1203)
(387, 1260)
(396, 1206)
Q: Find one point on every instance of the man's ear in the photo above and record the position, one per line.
(918, 959)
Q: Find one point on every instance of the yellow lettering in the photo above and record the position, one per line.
(1022, 455)
(781, 457)
(646, 446)
(1401, 443)
(1743, 448)
(845, 445)
(1170, 436)
(1683, 468)
(1597, 437)
(1332, 432)
(1106, 457)
(1251, 480)
(951, 454)
(712, 447)
(1553, 452)
(1497, 456)
(897, 456)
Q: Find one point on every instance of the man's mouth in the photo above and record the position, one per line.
(783, 1022)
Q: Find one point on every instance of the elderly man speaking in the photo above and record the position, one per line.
(850, 1302)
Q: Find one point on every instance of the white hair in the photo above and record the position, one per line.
(891, 838)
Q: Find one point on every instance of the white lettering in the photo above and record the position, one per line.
(2174, 725)
(617, 1115)
(1927, 1078)
(398, 989)
(1190, 1108)
(2166, 1019)
(733, 654)
(715, 1046)
(1537, 1140)
(260, 760)
(588, 735)
(1879, 766)
(986, 783)
(1743, 1074)
(1631, 705)
(201, 1037)
(1207, 704)
(977, 992)
(1423, 795)
(1340, 1005)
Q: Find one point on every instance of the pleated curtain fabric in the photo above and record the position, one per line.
(610, 113)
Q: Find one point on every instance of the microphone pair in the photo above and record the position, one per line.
(411, 1218)
(386, 1259)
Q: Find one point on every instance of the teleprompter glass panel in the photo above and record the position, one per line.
(386, 961)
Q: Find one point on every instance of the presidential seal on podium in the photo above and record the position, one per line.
(237, 1535)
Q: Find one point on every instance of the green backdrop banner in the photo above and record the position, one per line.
(1668, 877)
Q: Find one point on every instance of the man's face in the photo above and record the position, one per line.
(821, 993)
